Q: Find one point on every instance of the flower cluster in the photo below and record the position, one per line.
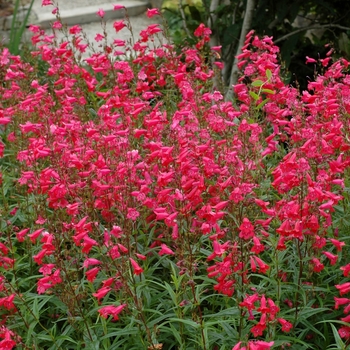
(133, 163)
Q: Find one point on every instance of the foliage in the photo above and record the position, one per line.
(142, 211)
(327, 21)
(18, 26)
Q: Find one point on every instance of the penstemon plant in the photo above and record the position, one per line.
(142, 211)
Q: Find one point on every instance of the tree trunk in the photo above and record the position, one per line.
(211, 20)
(247, 22)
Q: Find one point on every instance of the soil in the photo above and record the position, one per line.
(7, 6)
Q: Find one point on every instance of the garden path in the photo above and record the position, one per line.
(138, 18)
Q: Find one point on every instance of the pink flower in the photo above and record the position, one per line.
(5, 120)
(137, 269)
(249, 301)
(100, 13)
(246, 229)
(99, 37)
(101, 293)
(340, 301)
(88, 244)
(116, 231)
(346, 319)
(262, 267)
(57, 25)
(46, 3)
(310, 60)
(286, 326)
(141, 256)
(43, 284)
(152, 12)
(114, 252)
(40, 220)
(118, 7)
(202, 30)
(119, 42)
(38, 258)
(258, 329)
(338, 244)
(318, 266)
(343, 288)
(133, 214)
(21, 234)
(33, 236)
(165, 250)
(7, 344)
(237, 346)
(118, 25)
(111, 310)
(344, 332)
(91, 261)
(257, 247)
(7, 302)
(346, 270)
(75, 29)
(260, 345)
(46, 269)
(332, 258)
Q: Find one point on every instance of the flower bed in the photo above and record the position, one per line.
(142, 211)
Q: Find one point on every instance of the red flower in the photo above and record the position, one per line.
(262, 267)
(165, 250)
(286, 326)
(249, 301)
(332, 258)
(92, 273)
(258, 329)
(75, 29)
(111, 310)
(202, 30)
(340, 301)
(101, 293)
(133, 214)
(260, 345)
(118, 25)
(318, 266)
(7, 344)
(346, 270)
(100, 13)
(137, 269)
(99, 37)
(7, 302)
(152, 12)
(246, 229)
(338, 244)
(257, 247)
(344, 332)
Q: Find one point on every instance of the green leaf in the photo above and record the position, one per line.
(338, 340)
(310, 327)
(18, 27)
(227, 312)
(257, 83)
(187, 322)
(254, 95)
(268, 91)
(175, 333)
(171, 293)
(262, 104)
(268, 74)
